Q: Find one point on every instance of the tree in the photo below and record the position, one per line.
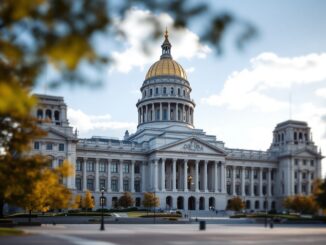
(126, 200)
(78, 202)
(48, 192)
(150, 200)
(235, 204)
(301, 204)
(88, 201)
(320, 193)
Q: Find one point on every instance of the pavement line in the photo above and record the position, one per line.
(80, 241)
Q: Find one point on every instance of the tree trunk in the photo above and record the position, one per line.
(2, 203)
(30, 216)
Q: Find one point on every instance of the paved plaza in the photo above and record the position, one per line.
(118, 234)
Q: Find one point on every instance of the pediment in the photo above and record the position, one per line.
(306, 153)
(192, 145)
(58, 135)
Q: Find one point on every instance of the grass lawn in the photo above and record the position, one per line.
(10, 232)
(137, 214)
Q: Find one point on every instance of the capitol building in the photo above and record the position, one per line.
(186, 168)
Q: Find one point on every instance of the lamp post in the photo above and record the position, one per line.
(102, 215)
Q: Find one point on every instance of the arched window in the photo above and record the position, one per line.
(282, 137)
(184, 93)
(164, 90)
(145, 93)
(295, 135)
(256, 204)
(156, 91)
(172, 90)
(179, 91)
(48, 114)
(39, 113)
(300, 136)
(150, 92)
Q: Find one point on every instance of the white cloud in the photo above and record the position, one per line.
(190, 69)
(252, 87)
(321, 92)
(86, 123)
(185, 44)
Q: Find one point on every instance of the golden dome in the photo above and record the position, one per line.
(166, 67)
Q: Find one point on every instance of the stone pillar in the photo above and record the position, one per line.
(215, 177)
(243, 192)
(299, 181)
(233, 181)
(109, 176)
(84, 174)
(183, 113)
(205, 176)
(223, 181)
(176, 111)
(97, 184)
(308, 183)
(161, 112)
(261, 182)
(185, 175)
(174, 175)
(156, 175)
(163, 175)
(141, 114)
(169, 112)
(143, 177)
(269, 182)
(132, 185)
(252, 182)
(120, 175)
(196, 176)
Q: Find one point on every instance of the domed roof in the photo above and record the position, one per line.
(166, 66)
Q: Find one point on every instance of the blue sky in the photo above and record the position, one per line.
(240, 95)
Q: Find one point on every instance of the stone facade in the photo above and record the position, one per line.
(186, 168)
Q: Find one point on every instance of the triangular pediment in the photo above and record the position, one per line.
(192, 145)
(58, 135)
(306, 153)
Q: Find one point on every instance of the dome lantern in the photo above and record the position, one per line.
(166, 46)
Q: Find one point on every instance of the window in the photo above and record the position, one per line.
(114, 185)
(61, 147)
(60, 162)
(157, 115)
(78, 184)
(247, 173)
(272, 190)
(179, 91)
(36, 145)
(264, 190)
(237, 189)
(102, 201)
(272, 175)
(295, 175)
(295, 135)
(311, 163)
(296, 162)
(295, 189)
(304, 188)
(39, 114)
(137, 169)
(49, 146)
(145, 93)
(114, 167)
(312, 175)
(228, 172)
(304, 175)
(172, 91)
(256, 204)
(57, 115)
(264, 175)
(247, 189)
(164, 90)
(256, 191)
(137, 186)
(126, 185)
(156, 91)
(90, 184)
(165, 114)
(150, 92)
(137, 202)
(228, 188)
(304, 162)
(102, 167)
(48, 114)
(90, 166)
(184, 93)
(102, 184)
(255, 173)
(126, 168)
(237, 173)
(78, 165)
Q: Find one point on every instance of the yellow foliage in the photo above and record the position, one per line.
(88, 201)
(150, 200)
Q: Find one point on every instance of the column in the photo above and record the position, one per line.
(132, 185)
(141, 114)
(153, 112)
(161, 112)
(261, 182)
(143, 189)
(252, 182)
(163, 175)
(223, 182)
(205, 176)
(269, 182)
(233, 180)
(185, 175)
(243, 192)
(169, 112)
(120, 175)
(155, 175)
(215, 176)
(84, 174)
(308, 183)
(97, 184)
(176, 111)
(183, 113)
(109, 176)
(174, 175)
(299, 181)
(196, 176)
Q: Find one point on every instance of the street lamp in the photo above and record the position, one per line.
(102, 215)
